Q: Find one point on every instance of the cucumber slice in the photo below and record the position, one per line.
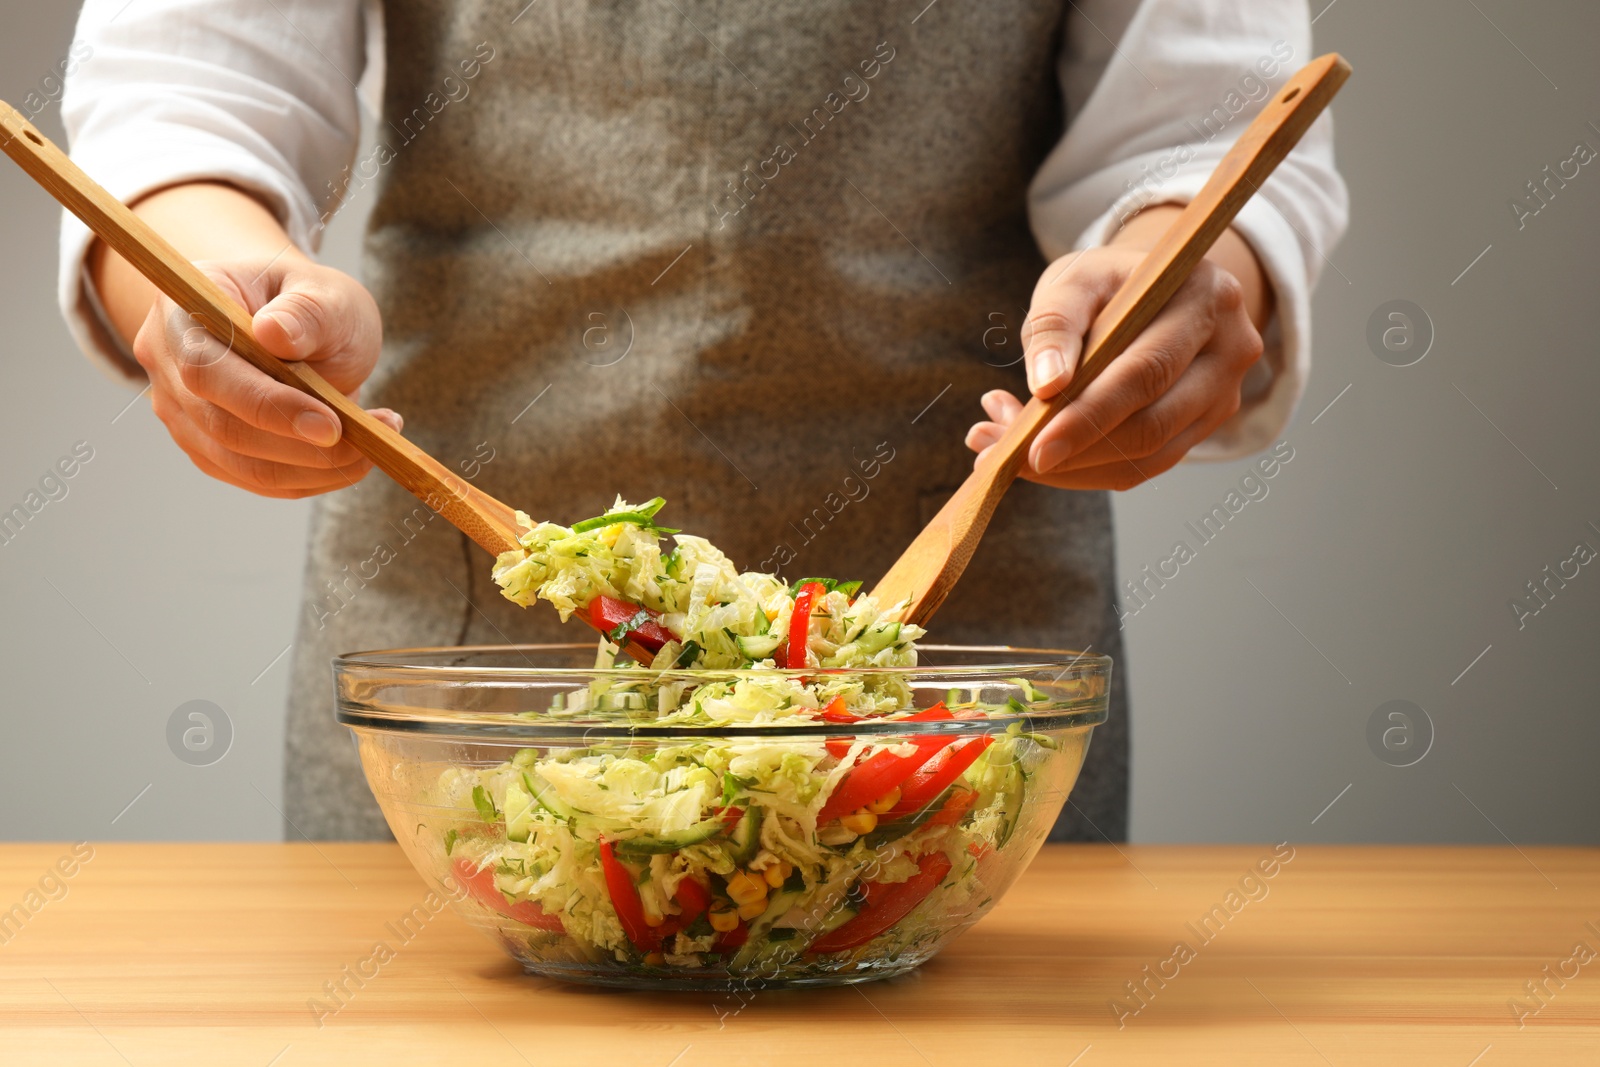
(759, 646)
(652, 844)
(643, 516)
(1030, 693)
(1016, 731)
(878, 638)
(778, 905)
(746, 836)
(544, 795)
(1012, 795)
(520, 808)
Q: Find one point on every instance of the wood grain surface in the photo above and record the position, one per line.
(177, 954)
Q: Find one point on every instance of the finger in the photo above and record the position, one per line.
(212, 470)
(320, 317)
(209, 370)
(302, 312)
(1214, 376)
(984, 434)
(236, 435)
(1125, 474)
(1151, 365)
(1148, 430)
(389, 417)
(260, 475)
(1065, 302)
(1000, 406)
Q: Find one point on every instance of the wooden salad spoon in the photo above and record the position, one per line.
(489, 522)
(926, 571)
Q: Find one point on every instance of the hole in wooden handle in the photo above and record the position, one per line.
(35, 138)
(1291, 94)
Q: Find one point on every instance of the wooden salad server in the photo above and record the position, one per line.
(489, 522)
(926, 571)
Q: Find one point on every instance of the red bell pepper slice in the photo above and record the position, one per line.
(886, 905)
(838, 747)
(625, 899)
(693, 899)
(880, 773)
(883, 770)
(935, 713)
(793, 656)
(479, 883)
(937, 775)
(606, 613)
(732, 940)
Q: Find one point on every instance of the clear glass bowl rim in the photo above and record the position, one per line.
(410, 666)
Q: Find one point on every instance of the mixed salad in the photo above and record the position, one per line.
(734, 853)
(691, 607)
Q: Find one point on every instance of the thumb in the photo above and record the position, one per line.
(322, 316)
(294, 325)
(1065, 302)
(1052, 354)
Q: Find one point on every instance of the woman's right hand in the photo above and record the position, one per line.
(236, 423)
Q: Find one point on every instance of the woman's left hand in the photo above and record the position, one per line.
(1176, 383)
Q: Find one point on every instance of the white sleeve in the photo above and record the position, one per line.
(1149, 118)
(262, 96)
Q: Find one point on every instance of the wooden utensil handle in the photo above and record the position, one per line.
(486, 520)
(1262, 146)
(929, 567)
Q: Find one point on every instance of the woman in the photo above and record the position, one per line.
(762, 263)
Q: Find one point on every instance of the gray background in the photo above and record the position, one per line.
(1378, 568)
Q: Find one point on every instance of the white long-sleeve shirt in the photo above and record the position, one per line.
(265, 97)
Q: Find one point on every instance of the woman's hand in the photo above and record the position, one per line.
(1176, 383)
(236, 423)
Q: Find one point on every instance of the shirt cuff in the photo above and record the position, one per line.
(1272, 388)
(133, 170)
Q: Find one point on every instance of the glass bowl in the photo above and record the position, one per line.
(599, 839)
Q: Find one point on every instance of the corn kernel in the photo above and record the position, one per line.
(745, 887)
(885, 802)
(862, 822)
(654, 959)
(778, 873)
(753, 910)
(724, 918)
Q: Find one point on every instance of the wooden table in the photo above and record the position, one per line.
(209, 954)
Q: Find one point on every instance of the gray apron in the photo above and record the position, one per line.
(761, 262)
